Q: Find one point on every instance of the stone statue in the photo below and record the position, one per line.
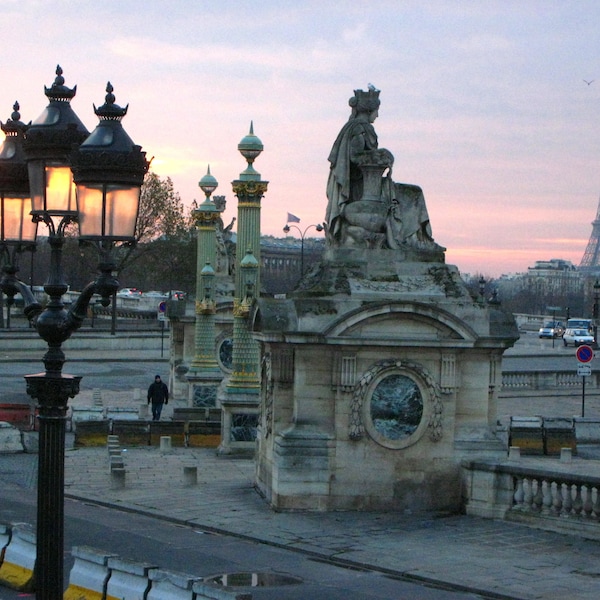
(365, 207)
(225, 245)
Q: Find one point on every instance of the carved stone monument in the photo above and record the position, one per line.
(380, 372)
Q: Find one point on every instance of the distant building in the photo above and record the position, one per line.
(281, 260)
(554, 276)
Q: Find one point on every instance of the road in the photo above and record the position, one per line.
(206, 554)
(120, 374)
(117, 375)
(533, 353)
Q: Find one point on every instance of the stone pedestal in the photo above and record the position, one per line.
(380, 375)
(239, 422)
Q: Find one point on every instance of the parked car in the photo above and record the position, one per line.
(577, 337)
(155, 294)
(552, 329)
(129, 293)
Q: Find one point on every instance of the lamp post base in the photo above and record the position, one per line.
(52, 392)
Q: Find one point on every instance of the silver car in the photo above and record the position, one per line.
(553, 329)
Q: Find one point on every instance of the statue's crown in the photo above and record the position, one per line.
(365, 101)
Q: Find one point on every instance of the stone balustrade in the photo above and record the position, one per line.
(557, 495)
(513, 381)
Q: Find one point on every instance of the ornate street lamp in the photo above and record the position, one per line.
(108, 170)
(17, 230)
(287, 229)
(48, 146)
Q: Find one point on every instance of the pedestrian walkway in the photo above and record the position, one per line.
(501, 559)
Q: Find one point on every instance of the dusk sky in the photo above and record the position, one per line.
(483, 103)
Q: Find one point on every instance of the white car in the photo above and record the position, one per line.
(577, 337)
(129, 293)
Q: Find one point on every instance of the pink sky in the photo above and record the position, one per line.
(483, 103)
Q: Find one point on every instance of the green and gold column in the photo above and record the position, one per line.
(241, 405)
(205, 374)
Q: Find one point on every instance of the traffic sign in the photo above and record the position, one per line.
(162, 307)
(585, 354)
(584, 370)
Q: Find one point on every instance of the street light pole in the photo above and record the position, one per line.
(287, 229)
(106, 171)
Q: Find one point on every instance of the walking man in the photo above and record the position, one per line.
(158, 393)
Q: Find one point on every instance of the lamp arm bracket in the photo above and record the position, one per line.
(11, 285)
(105, 285)
(78, 310)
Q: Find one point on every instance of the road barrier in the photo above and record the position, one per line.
(18, 415)
(4, 540)
(128, 579)
(170, 585)
(89, 575)
(173, 429)
(100, 575)
(193, 434)
(205, 591)
(90, 434)
(11, 440)
(17, 569)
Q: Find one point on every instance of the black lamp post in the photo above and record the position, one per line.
(107, 170)
(286, 230)
(17, 230)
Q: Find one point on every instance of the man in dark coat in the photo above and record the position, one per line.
(158, 394)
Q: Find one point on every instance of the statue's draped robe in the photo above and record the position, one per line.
(345, 184)
(345, 178)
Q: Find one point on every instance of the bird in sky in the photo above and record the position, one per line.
(589, 82)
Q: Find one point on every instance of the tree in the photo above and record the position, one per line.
(161, 210)
(161, 215)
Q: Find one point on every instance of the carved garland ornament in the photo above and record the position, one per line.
(362, 388)
(267, 378)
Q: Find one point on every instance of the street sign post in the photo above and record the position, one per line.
(162, 317)
(553, 310)
(584, 354)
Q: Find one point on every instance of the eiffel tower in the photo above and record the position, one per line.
(591, 256)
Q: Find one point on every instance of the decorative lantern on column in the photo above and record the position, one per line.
(16, 225)
(48, 145)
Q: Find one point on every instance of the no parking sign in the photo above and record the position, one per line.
(585, 354)
(162, 309)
